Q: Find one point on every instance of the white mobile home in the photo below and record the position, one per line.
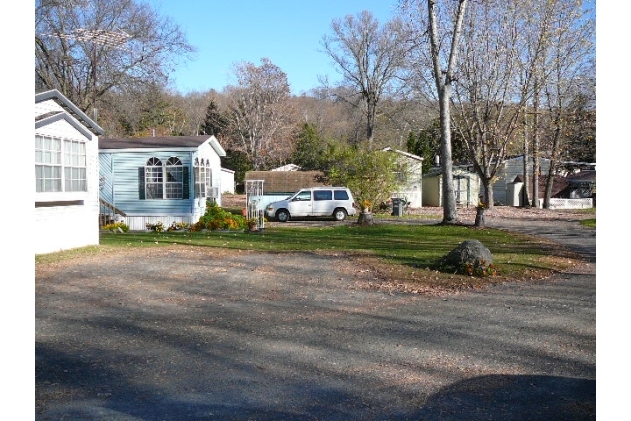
(505, 191)
(409, 178)
(66, 175)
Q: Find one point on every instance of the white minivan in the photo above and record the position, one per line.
(336, 202)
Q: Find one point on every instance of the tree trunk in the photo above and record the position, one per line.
(450, 213)
(553, 162)
(488, 192)
(444, 79)
(365, 218)
(371, 109)
(525, 199)
(535, 147)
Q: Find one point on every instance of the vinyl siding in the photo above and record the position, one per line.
(65, 227)
(124, 184)
(120, 185)
(68, 224)
(512, 168)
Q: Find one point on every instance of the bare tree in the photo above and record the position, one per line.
(87, 48)
(490, 94)
(194, 105)
(504, 71)
(537, 27)
(569, 57)
(369, 58)
(260, 116)
(438, 51)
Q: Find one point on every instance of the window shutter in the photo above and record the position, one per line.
(141, 183)
(186, 184)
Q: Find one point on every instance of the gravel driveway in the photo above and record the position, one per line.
(200, 334)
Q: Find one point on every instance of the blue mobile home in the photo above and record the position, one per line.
(159, 179)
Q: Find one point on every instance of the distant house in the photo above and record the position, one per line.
(278, 184)
(159, 179)
(466, 187)
(227, 181)
(575, 191)
(580, 185)
(504, 192)
(288, 167)
(409, 178)
(66, 175)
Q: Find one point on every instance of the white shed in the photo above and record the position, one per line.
(66, 175)
(227, 181)
(506, 190)
(409, 178)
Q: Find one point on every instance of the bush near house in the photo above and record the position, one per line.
(216, 218)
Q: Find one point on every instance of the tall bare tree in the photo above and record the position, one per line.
(435, 38)
(260, 115)
(369, 58)
(490, 92)
(86, 48)
(504, 71)
(570, 57)
(537, 28)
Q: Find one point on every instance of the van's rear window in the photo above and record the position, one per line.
(341, 195)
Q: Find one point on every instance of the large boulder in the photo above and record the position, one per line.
(471, 257)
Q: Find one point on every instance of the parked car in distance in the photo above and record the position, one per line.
(336, 202)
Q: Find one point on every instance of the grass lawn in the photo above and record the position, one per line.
(401, 255)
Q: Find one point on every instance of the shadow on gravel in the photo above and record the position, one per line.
(514, 398)
(90, 396)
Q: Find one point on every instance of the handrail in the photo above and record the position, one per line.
(112, 207)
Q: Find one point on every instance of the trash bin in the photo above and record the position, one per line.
(397, 206)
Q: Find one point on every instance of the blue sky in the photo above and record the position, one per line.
(288, 32)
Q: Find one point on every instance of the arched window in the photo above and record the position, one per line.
(154, 179)
(174, 178)
(200, 178)
(163, 181)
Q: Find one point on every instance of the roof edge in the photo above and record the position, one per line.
(67, 117)
(214, 143)
(55, 94)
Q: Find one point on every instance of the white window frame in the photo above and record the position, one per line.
(164, 180)
(173, 179)
(209, 180)
(154, 179)
(60, 165)
(200, 178)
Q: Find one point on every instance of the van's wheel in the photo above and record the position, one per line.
(339, 214)
(282, 215)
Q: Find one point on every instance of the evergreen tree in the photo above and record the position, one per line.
(238, 162)
(427, 145)
(310, 151)
(215, 122)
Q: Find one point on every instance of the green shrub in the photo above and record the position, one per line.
(114, 226)
(177, 226)
(216, 218)
(157, 227)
